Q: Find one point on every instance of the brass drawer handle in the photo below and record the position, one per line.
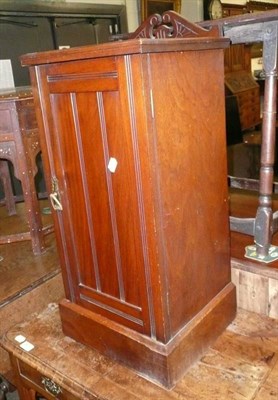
(50, 386)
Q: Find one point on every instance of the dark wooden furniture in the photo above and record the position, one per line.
(150, 7)
(135, 163)
(247, 92)
(260, 27)
(246, 89)
(19, 143)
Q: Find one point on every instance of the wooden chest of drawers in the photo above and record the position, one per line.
(247, 92)
(33, 381)
(249, 108)
(133, 135)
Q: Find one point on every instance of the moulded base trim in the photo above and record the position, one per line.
(161, 363)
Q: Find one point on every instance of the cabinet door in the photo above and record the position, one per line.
(95, 160)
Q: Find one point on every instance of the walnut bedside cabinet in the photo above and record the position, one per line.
(133, 138)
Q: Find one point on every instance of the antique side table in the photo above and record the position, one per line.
(19, 143)
(54, 363)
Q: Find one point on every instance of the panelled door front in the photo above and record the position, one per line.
(95, 173)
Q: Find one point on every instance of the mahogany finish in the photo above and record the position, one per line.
(145, 249)
(19, 143)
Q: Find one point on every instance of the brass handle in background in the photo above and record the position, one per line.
(50, 386)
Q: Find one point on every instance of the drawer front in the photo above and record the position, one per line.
(249, 107)
(27, 116)
(44, 385)
(12, 114)
(249, 117)
(249, 95)
(6, 125)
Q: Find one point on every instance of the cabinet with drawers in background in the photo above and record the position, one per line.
(246, 89)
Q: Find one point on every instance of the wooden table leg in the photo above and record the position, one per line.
(32, 208)
(19, 144)
(7, 186)
(27, 148)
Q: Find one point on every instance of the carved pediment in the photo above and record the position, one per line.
(171, 25)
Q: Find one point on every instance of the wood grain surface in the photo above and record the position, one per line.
(241, 365)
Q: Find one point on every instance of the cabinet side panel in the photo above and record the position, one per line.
(140, 118)
(190, 159)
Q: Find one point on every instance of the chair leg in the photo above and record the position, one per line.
(7, 186)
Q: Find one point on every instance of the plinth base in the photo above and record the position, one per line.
(162, 363)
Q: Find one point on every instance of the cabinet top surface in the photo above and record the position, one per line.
(134, 46)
